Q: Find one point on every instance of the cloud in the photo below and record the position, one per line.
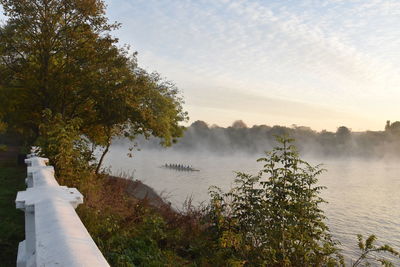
(336, 55)
(328, 55)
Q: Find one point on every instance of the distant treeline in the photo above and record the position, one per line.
(256, 139)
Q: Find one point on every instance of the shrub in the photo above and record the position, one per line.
(369, 250)
(274, 218)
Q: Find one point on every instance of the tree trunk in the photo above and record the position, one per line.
(102, 157)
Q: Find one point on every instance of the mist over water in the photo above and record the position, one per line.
(363, 194)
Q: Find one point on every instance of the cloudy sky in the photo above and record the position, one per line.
(319, 63)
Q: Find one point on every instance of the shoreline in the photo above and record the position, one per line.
(137, 189)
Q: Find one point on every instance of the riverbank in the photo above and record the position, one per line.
(132, 224)
(138, 190)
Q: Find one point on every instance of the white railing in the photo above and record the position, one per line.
(54, 234)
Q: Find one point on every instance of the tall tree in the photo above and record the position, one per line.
(59, 55)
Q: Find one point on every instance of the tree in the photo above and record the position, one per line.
(393, 128)
(343, 134)
(201, 125)
(387, 126)
(239, 124)
(59, 55)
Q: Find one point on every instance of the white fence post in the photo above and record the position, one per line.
(54, 234)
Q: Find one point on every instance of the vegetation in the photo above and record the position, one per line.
(3, 128)
(276, 220)
(68, 87)
(59, 62)
(369, 252)
(238, 137)
(131, 232)
(12, 179)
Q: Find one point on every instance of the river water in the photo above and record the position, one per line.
(363, 195)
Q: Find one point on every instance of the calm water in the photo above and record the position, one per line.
(363, 195)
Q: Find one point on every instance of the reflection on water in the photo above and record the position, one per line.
(363, 196)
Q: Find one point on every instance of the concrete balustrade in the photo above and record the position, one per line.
(54, 234)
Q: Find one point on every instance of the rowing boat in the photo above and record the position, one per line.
(179, 168)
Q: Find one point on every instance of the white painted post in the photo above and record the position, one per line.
(30, 235)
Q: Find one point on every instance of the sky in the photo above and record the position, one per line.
(314, 63)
